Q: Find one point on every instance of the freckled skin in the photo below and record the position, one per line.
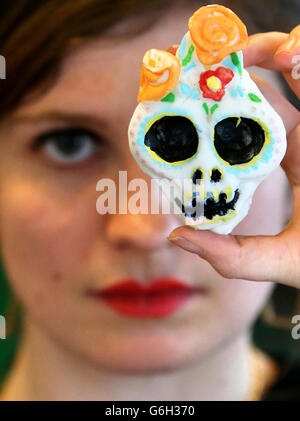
(55, 245)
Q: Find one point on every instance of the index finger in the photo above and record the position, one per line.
(273, 50)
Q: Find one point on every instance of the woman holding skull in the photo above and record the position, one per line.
(65, 110)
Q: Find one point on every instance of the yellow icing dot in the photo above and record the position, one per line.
(214, 83)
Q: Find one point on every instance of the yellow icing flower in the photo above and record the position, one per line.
(159, 75)
(216, 32)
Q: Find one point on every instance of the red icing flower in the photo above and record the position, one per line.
(212, 82)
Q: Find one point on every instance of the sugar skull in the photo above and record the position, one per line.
(203, 125)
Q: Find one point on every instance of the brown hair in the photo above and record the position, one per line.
(35, 34)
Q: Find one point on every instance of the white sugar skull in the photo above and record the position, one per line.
(203, 122)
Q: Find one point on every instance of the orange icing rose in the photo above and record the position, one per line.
(159, 75)
(216, 32)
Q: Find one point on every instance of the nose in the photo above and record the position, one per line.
(215, 175)
(142, 232)
(197, 176)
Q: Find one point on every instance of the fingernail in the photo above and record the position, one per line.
(186, 245)
(289, 46)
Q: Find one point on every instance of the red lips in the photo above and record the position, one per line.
(161, 298)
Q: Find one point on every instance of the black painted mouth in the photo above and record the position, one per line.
(211, 207)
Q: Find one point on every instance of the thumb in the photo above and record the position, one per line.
(257, 258)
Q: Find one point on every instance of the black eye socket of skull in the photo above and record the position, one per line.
(238, 140)
(172, 138)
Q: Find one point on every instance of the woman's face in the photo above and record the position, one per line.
(57, 248)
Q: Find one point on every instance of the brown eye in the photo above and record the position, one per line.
(238, 140)
(68, 145)
(173, 138)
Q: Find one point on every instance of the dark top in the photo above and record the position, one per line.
(287, 387)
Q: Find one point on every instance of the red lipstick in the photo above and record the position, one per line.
(159, 299)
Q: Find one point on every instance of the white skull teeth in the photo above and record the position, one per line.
(210, 207)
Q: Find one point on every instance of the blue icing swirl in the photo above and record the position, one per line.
(188, 91)
(228, 63)
(185, 89)
(189, 67)
(238, 90)
(195, 94)
(182, 49)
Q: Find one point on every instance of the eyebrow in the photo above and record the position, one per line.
(69, 117)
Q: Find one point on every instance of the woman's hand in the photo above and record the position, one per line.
(262, 258)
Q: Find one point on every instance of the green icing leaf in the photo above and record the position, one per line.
(169, 98)
(188, 56)
(213, 108)
(254, 97)
(236, 61)
(204, 105)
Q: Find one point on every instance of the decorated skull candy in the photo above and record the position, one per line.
(203, 125)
